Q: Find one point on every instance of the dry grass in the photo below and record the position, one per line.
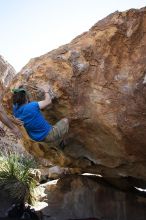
(15, 177)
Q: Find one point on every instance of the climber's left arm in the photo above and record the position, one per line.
(8, 122)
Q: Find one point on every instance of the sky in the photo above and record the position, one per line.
(31, 28)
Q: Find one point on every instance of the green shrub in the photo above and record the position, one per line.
(15, 177)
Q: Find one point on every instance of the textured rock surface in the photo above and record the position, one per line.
(99, 80)
(56, 172)
(7, 72)
(79, 197)
(9, 142)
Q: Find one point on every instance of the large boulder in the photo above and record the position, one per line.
(99, 81)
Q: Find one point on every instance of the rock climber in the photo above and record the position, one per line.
(37, 127)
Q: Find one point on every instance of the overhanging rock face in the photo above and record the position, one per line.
(99, 80)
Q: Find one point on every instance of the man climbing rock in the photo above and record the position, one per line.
(34, 122)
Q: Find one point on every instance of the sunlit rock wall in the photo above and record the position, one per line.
(7, 72)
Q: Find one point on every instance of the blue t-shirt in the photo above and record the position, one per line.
(34, 122)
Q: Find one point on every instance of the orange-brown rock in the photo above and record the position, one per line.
(98, 80)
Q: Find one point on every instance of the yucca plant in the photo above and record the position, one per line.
(15, 177)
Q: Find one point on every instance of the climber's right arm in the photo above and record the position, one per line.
(47, 101)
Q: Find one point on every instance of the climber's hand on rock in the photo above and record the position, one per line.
(17, 121)
(16, 132)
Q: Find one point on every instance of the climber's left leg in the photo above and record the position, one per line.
(58, 132)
